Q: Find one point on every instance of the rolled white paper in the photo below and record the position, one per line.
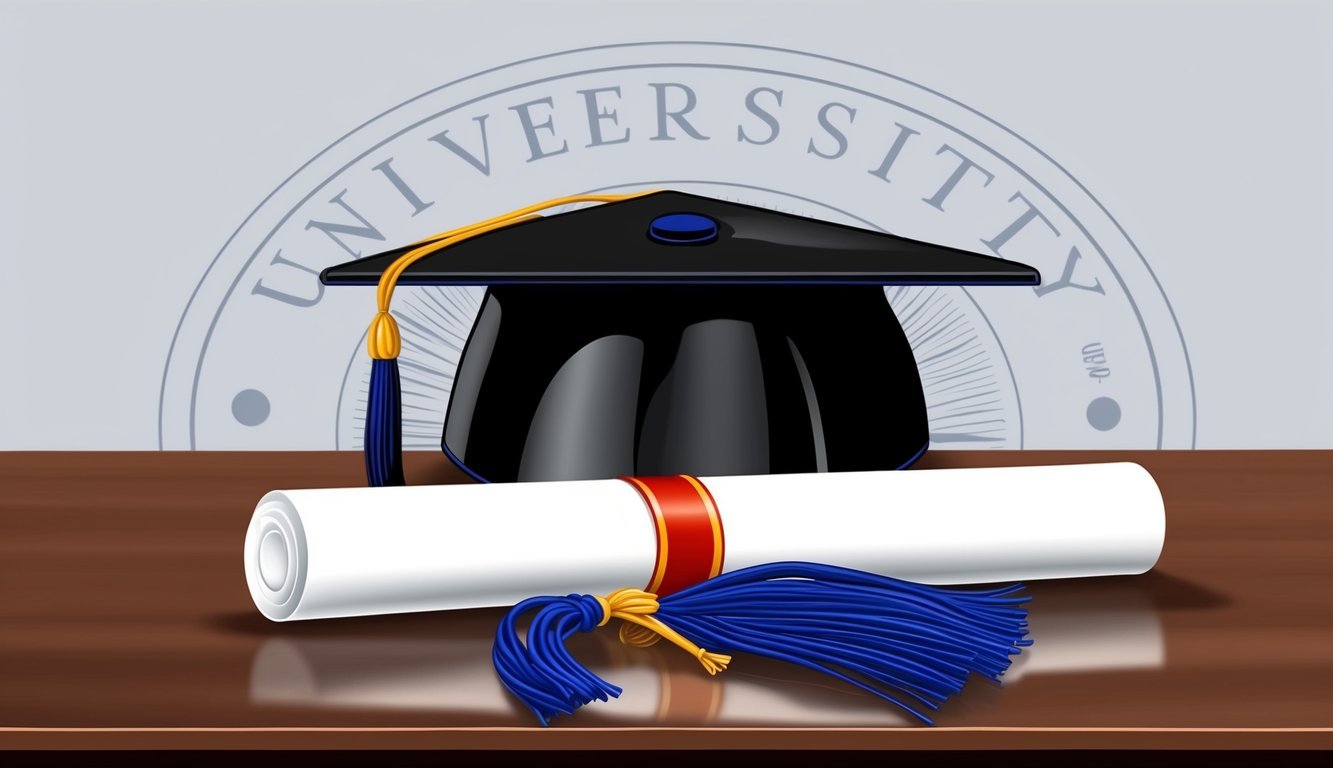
(325, 553)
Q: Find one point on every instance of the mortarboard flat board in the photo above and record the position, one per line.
(671, 333)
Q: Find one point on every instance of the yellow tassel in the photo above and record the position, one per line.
(383, 341)
(637, 607)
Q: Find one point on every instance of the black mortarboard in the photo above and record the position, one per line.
(668, 333)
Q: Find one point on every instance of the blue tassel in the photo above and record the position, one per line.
(383, 440)
(911, 644)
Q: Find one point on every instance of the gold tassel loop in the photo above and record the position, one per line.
(642, 629)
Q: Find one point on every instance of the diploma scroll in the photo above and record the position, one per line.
(324, 553)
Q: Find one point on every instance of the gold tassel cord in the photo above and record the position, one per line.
(384, 341)
(637, 607)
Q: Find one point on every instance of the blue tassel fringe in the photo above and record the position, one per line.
(911, 644)
(383, 438)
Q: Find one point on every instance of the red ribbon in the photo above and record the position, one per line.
(689, 531)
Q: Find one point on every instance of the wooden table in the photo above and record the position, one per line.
(125, 624)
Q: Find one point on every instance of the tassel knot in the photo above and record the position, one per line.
(384, 341)
(636, 608)
(631, 602)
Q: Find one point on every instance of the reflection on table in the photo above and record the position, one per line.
(1098, 626)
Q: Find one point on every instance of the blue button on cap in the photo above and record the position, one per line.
(683, 229)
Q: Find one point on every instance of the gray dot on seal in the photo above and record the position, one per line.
(250, 407)
(1104, 414)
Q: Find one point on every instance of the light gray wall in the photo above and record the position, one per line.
(161, 164)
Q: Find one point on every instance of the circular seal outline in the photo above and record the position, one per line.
(798, 76)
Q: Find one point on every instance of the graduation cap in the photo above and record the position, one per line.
(672, 334)
(667, 333)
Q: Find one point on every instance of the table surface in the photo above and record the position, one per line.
(125, 623)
